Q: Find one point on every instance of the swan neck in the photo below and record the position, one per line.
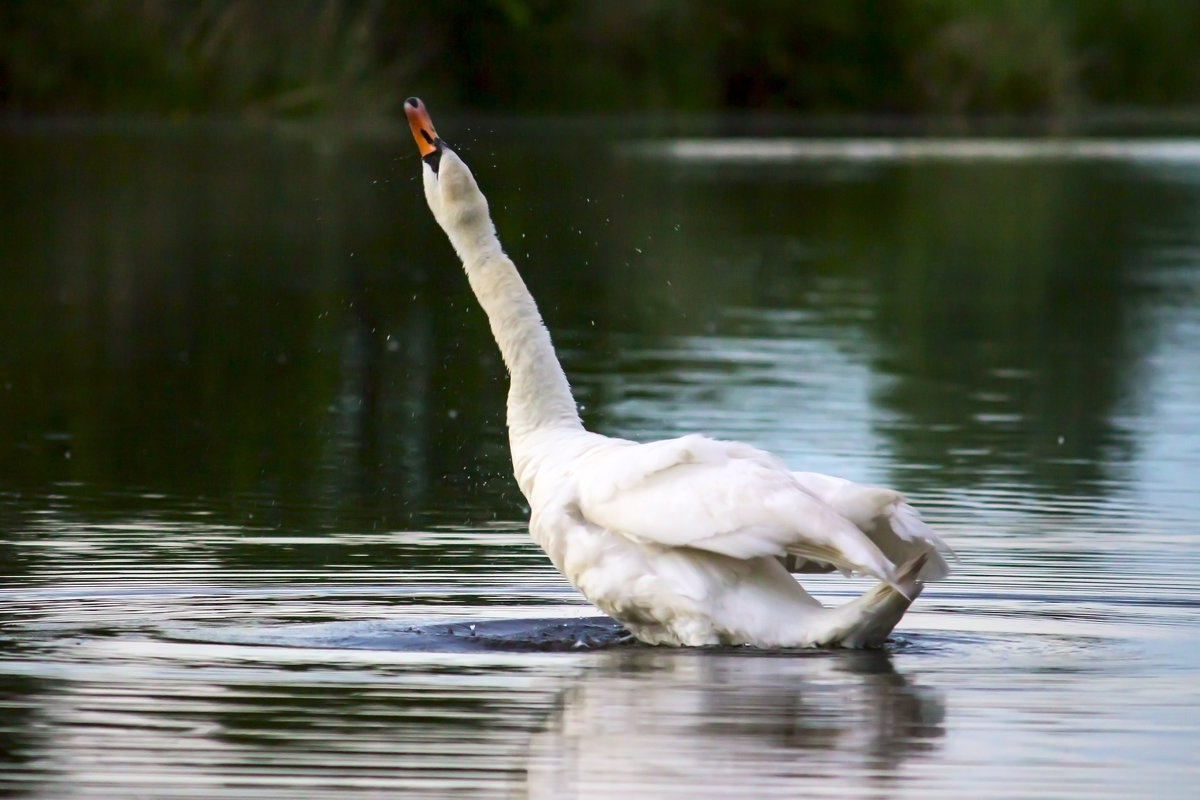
(539, 395)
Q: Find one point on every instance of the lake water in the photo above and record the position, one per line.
(259, 535)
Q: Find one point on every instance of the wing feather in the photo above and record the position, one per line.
(885, 517)
(723, 497)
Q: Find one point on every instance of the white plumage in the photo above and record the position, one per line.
(686, 541)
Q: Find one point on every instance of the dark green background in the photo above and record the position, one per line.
(356, 58)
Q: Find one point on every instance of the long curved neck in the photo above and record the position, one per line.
(538, 395)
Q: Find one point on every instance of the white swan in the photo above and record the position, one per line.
(683, 541)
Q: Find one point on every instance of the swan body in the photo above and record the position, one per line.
(687, 541)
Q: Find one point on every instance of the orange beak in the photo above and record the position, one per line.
(422, 126)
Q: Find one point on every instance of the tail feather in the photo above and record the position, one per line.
(867, 621)
(902, 535)
(889, 522)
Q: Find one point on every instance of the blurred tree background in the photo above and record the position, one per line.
(360, 58)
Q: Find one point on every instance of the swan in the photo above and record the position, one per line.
(689, 541)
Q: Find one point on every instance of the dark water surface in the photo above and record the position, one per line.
(259, 536)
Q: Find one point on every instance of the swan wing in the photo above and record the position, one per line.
(723, 497)
(885, 517)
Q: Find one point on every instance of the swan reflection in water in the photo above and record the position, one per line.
(696, 724)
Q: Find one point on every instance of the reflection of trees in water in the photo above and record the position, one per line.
(22, 735)
(245, 318)
(708, 724)
(1005, 299)
(1001, 304)
(279, 328)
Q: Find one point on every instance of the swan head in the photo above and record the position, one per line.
(450, 188)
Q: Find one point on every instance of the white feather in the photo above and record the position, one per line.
(683, 541)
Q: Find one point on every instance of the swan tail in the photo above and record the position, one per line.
(894, 526)
(867, 621)
(902, 536)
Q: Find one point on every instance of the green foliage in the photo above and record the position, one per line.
(1139, 53)
(362, 57)
(1007, 55)
(176, 56)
